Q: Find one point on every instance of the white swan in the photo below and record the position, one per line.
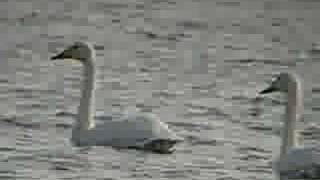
(294, 162)
(139, 131)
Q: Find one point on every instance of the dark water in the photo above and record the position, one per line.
(196, 64)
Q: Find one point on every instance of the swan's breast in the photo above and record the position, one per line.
(300, 162)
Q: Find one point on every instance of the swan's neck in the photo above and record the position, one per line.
(86, 109)
(294, 110)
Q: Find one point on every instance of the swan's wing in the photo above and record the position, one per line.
(302, 162)
(132, 131)
(159, 129)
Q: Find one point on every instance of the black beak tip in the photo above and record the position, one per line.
(268, 90)
(53, 58)
(263, 92)
(59, 56)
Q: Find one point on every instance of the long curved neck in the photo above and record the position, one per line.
(86, 108)
(294, 111)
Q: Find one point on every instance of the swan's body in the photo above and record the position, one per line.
(139, 131)
(295, 161)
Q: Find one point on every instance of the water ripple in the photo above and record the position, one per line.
(202, 110)
(18, 122)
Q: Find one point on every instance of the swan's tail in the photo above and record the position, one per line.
(162, 146)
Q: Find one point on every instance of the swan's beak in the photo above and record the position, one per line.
(58, 56)
(268, 90)
(63, 55)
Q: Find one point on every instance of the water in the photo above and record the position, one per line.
(196, 64)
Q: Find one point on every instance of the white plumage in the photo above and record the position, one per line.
(139, 131)
(295, 161)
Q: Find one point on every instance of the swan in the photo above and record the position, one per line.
(295, 161)
(138, 131)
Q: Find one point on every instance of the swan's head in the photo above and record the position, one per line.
(81, 51)
(281, 83)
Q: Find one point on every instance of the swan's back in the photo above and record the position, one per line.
(139, 127)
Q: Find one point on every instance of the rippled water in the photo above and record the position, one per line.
(196, 64)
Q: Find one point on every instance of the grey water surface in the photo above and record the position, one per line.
(197, 64)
